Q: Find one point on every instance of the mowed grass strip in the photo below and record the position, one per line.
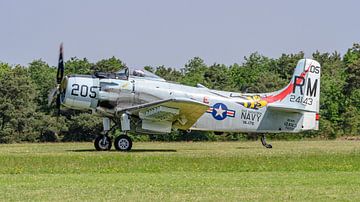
(181, 157)
(219, 171)
(183, 186)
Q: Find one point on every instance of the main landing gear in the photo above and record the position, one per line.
(121, 143)
(264, 143)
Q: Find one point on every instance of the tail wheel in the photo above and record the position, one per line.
(264, 143)
(123, 143)
(102, 143)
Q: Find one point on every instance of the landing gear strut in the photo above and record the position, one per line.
(103, 141)
(123, 142)
(264, 143)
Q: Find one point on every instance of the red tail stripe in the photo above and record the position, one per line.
(287, 90)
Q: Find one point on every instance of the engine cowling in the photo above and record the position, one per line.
(81, 92)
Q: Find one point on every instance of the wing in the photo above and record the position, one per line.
(162, 115)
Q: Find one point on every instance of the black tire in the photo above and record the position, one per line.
(123, 143)
(100, 145)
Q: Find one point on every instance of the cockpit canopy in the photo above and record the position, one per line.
(142, 73)
(125, 73)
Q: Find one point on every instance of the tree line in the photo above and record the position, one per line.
(26, 116)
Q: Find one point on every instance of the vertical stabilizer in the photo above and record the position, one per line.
(302, 94)
(303, 91)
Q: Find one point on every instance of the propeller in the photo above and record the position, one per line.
(59, 77)
(60, 70)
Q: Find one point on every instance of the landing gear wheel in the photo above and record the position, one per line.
(123, 143)
(102, 143)
(264, 143)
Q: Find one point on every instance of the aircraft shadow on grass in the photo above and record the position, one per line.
(244, 147)
(133, 150)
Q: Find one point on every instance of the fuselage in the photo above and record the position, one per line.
(228, 111)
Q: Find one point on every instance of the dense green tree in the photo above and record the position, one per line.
(44, 79)
(332, 102)
(168, 74)
(48, 128)
(108, 65)
(217, 77)
(4, 68)
(352, 62)
(246, 76)
(83, 127)
(285, 65)
(352, 91)
(78, 66)
(17, 106)
(352, 119)
(194, 72)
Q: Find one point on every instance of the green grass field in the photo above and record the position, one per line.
(187, 171)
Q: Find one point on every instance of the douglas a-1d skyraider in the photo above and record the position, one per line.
(144, 103)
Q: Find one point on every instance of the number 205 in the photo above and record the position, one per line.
(83, 90)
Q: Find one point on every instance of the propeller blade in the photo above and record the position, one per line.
(52, 96)
(59, 77)
(60, 70)
(58, 104)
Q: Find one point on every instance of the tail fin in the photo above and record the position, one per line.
(303, 91)
(302, 94)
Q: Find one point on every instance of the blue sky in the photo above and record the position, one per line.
(165, 32)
